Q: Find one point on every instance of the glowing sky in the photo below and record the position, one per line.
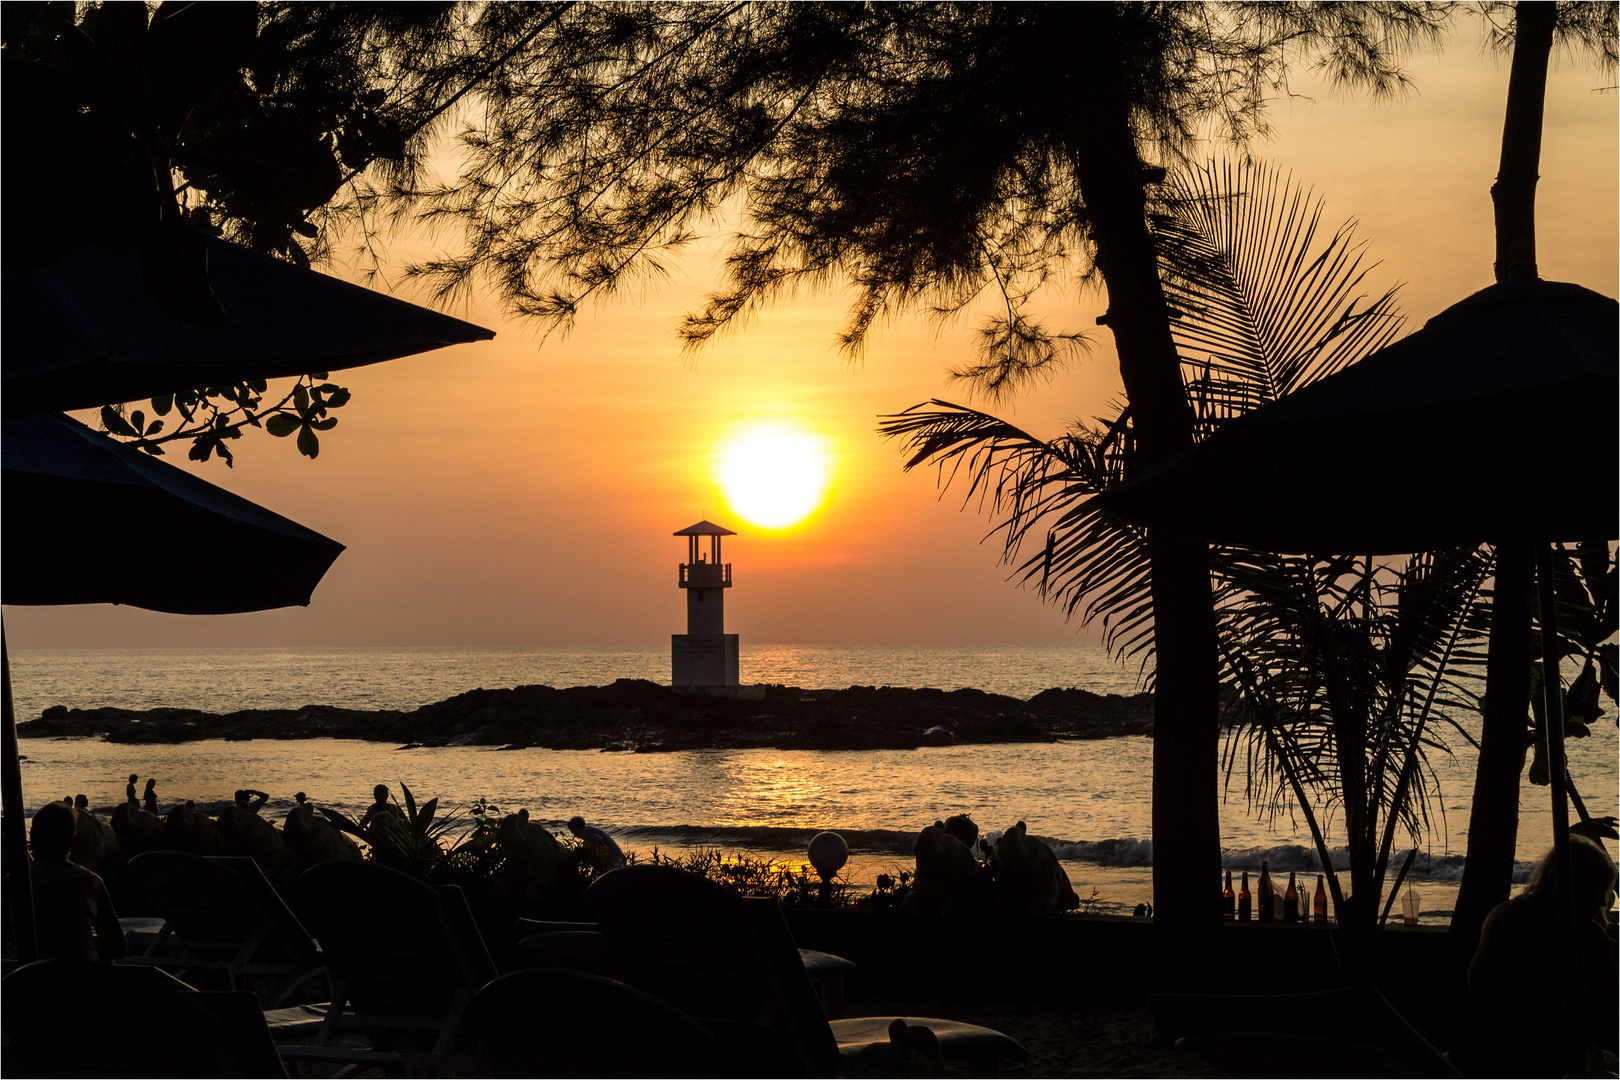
(523, 492)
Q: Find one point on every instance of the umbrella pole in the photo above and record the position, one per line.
(1553, 697)
(19, 886)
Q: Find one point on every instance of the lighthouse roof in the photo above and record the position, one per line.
(704, 528)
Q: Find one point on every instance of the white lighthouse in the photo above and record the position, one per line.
(705, 656)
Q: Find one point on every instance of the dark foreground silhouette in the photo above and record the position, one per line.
(633, 714)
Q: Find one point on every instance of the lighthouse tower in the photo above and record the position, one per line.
(705, 656)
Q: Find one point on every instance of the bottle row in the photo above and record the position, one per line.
(1268, 905)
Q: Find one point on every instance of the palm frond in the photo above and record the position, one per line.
(1265, 304)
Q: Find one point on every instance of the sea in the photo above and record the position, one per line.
(1089, 800)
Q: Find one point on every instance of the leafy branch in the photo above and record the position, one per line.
(217, 415)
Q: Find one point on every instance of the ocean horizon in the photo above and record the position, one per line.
(1090, 800)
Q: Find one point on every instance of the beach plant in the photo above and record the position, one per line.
(791, 884)
(411, 837)
(888, 891)
(474, 859)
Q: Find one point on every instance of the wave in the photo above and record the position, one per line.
(769, 838)
(789, 841)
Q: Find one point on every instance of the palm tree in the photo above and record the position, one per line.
(1339, 692)
(1346, 675)
(1264, 304)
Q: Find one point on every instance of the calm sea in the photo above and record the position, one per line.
(1089, 800)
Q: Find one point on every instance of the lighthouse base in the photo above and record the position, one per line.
(703, 660)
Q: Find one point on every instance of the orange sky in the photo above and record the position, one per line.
(523, 493)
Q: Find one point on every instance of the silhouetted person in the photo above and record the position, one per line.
(300, 798)
(250, 800)
(1513, 981)
(379, 805)
(598, 840)
(149, 800)
(73, 914)
(81, 803)
(129, 789)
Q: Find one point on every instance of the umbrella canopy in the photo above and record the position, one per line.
(89, 520)
(82, 331)
(1495, 422)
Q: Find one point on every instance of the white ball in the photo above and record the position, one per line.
(828, 853)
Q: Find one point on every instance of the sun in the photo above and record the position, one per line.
(772, 474)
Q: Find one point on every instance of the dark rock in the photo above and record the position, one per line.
(634, 715)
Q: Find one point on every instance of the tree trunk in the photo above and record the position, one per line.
(1493, 823)
(1186, 751)
(1514, 193)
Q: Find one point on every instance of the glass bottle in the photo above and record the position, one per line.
(1291, 900)
(1264, 900)
(1228, 899)
(1319, 904)
(1245, 901)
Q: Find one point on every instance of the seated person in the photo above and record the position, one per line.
(73, 914)
(250, 800)
(1514, 983)
(600, 842)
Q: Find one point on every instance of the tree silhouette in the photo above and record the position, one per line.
(948, 157)
(951, 158)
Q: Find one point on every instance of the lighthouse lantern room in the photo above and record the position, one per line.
(705, 656)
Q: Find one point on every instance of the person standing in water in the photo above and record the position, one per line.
(150, 799)
(129, 789)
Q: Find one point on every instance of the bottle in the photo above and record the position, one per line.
(1319, 904)
(1244, 900)
(1267, 913)
(1228, 900)
(1291, 901)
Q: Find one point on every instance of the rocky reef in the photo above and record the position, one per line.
(637, 715)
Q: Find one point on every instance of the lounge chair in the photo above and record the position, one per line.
(579, 946)
(718, 956)
(76, 1018)
(593, 1027)
(1350, 1032)
(404, 958)
(222, 915)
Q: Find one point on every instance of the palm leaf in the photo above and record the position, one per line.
(1266, 302)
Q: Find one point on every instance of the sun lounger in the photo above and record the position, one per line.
(1348, 1032)
(77, 1018)
(405, 959)
(579, 946)
(715, 955)
(220, 915)
(593, 1027)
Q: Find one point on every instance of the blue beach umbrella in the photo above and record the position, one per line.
(89, 520)
(1495, 422)
(83, 331)
(86, 520)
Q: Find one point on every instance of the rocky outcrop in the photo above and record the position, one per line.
(634, 714)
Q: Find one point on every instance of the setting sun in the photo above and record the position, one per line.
(773, 475)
